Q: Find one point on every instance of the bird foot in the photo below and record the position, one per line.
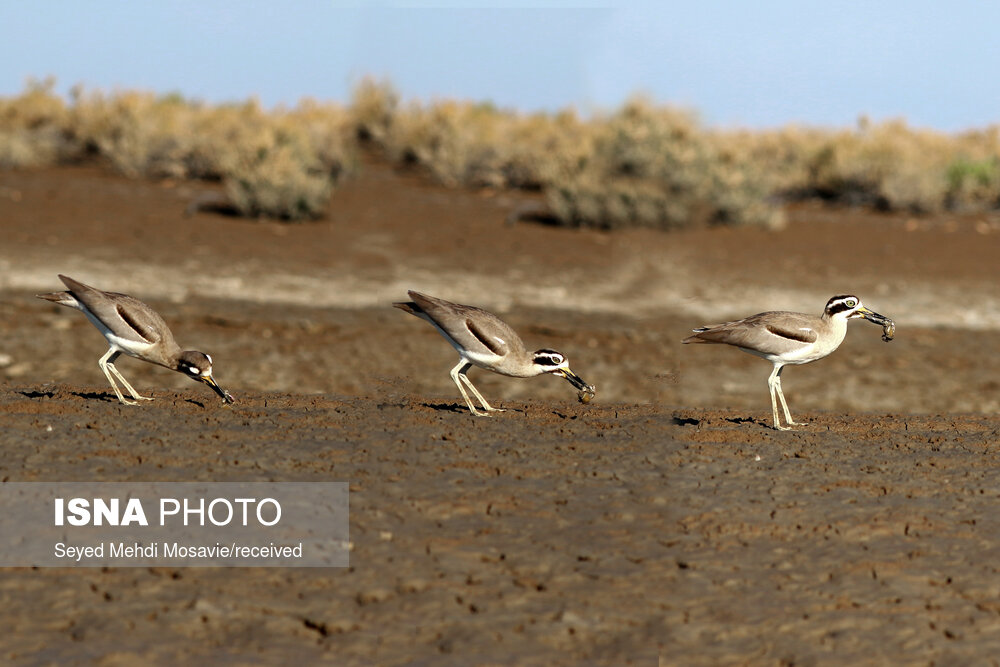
(779, 427)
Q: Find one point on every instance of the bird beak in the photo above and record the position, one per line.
(573, 378)
(888, 326)
(872, 316)
(210, 381)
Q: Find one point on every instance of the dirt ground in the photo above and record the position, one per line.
(663, 522)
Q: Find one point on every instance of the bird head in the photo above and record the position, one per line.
(849, 307)
(198, 366)
(550, 361)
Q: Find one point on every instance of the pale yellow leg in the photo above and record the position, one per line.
(107, 364)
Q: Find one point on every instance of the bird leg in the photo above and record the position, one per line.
(132, 391)
(774, 384)
(108, 361)
(784, 405)
(458, 374)
(107, 364)
(468, 382)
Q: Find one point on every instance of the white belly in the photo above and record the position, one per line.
(129, 347)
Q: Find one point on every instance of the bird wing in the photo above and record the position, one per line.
(491, 336)
(765, 333)
(474, 329)
(128, 317)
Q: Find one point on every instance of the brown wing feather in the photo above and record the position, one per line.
(144, 323)
(490, 342)
(467, 325)
(800, 334)
(761, 333)
(145, 332)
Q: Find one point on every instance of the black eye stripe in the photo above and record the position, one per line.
(548, 357)
(839, 307)
(548, 360)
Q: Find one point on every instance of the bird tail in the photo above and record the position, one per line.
(62, 298)
(410, 307)
(696, 338)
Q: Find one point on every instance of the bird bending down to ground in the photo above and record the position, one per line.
(132, 327)
(483, 339)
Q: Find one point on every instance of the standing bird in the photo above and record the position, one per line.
(132, 327)
(786, 338)
(483, 339)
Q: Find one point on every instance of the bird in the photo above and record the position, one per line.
(482, 339)
(132, 327)
(786, 338)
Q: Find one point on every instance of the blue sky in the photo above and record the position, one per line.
(755, 64)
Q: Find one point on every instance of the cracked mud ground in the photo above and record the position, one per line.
(662, 521)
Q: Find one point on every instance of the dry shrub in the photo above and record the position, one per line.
(655, 167)
(542, 149)
(887, 165)
(219, 134)
(643, 165)
(780, 156)
(328, 130)
(276, 173)
(466, 144)
(280, 164)
(373, 109)
(459, 143)
(973, 171)
(33, 128)
(140, 134)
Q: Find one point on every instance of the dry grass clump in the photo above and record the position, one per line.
(465, 144)
(373, 109)
(655, 167)
(779, 156)
(886, 165)
(34, 128)
(328, 130)
(643, 165)
(284, 164)
(276, 172)
(280, 164)
(475, 145)
(140, 134)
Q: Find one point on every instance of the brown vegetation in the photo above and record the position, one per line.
(642, 165)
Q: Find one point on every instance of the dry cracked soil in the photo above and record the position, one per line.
(663, 523)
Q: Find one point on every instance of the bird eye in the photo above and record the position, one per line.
(851, 303)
